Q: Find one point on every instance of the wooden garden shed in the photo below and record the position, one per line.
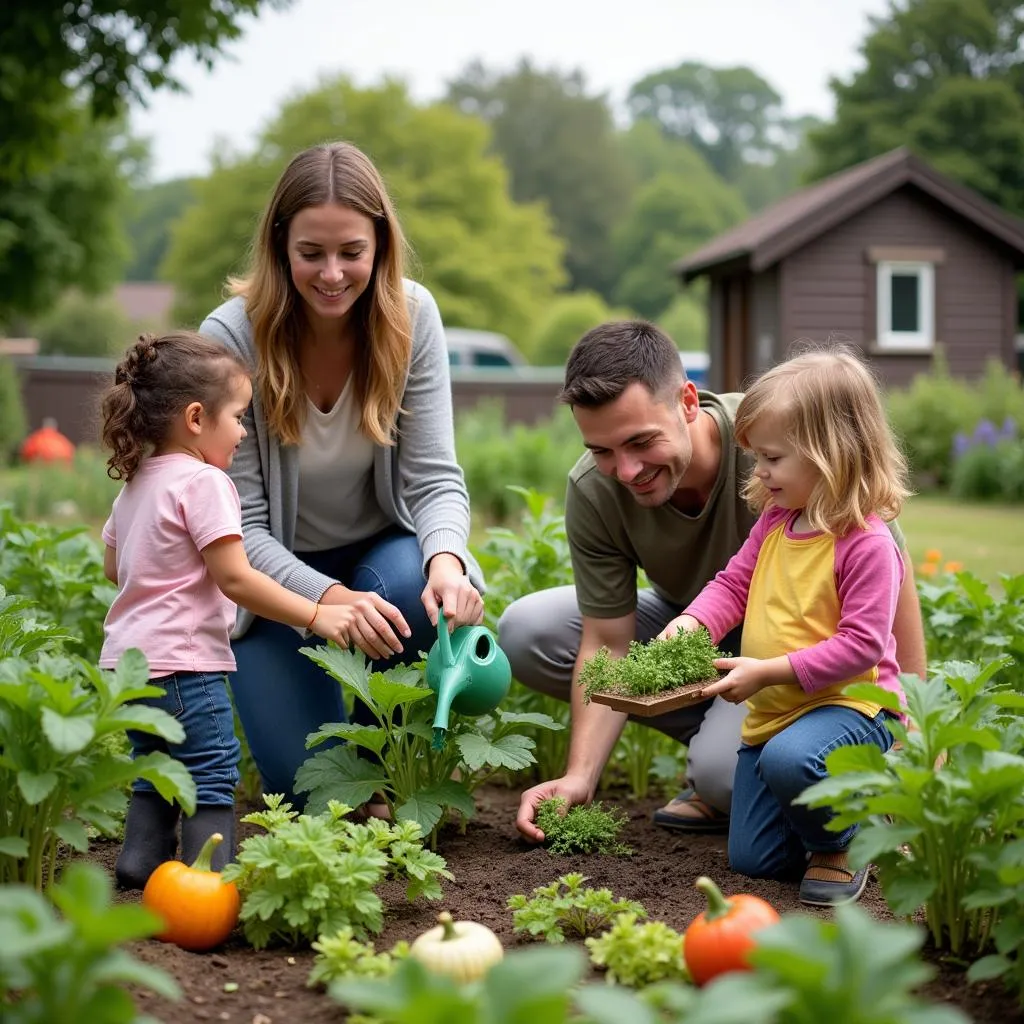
(889, 255)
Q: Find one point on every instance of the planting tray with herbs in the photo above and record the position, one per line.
(655, 677)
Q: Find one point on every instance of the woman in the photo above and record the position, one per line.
(350, 490)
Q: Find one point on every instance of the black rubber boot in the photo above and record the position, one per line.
(149, 839)
(209, 818)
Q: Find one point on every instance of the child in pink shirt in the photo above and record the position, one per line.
(815, 587)
(173, 419)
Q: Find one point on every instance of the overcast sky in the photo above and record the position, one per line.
(796, 45)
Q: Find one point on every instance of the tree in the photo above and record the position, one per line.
(559, 144)
(686, 319)
(55, 55)
(491, 263)
(732, 116)
(151, 212)
(669, 217)
(945, 77)
(59, 225)
(564, 321)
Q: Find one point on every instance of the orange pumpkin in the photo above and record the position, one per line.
(719, 939)
(47, 444)
(198, 908)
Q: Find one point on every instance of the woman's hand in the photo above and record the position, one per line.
(370, 623)
(448, 587)
(680, 624)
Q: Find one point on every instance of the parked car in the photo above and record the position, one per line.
(468, 347)
(696, 366)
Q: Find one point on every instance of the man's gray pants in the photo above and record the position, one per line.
(540, 633)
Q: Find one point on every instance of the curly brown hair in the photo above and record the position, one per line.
(157, 379)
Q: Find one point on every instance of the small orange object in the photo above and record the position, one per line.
(719, 939)
(47, 444)
(198, 909)
(933, 555)
(953, 567)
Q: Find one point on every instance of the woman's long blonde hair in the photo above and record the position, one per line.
(336, 172)
(831, 408)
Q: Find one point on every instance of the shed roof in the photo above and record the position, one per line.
(793, 222)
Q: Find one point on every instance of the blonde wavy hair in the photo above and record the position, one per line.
(830, 406)
(336, 172)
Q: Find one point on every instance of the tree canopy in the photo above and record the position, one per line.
(490, 262)
(559, 145)
(945, 77)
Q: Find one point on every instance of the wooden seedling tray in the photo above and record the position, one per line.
(655, 703)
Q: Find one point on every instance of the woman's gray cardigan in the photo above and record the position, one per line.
(417, 481)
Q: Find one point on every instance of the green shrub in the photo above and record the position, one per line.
(13, 422)
(686, 321)
(56, 491)
(82, 325)
(494, 455)
(566, 319)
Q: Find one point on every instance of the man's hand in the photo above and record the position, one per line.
(572, 789)
(680, 624)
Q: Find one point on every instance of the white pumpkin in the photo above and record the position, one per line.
(463, 950)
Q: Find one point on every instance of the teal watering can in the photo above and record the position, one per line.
(468, 671)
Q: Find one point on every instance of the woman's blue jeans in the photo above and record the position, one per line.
(281, 696)
(769, 835)
(210, 751)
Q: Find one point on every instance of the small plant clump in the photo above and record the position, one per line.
(342, 955)
(652, 667)
(639, 954)
(585, 828)
(566, 910)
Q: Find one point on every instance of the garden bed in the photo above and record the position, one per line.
(490, 863)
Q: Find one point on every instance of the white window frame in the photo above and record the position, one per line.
(922, 340)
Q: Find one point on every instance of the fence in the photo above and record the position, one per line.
(68, 389)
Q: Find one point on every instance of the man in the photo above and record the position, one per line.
(658, 490)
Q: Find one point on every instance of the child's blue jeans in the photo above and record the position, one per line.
(211, 751)
(769, 835)
(282, 696)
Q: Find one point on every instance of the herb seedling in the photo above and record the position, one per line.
(342, 955)
(312, 875)
(565, 910)
(652, 667)
(638, 954)
(585, 828)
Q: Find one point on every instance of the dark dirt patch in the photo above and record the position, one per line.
(490, 863)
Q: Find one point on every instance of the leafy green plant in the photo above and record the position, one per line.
(535, 985)
(585, 828)
(61, 771)
(532, 557)
(943, 804)
(687, 657)
(566, 910)
(68, 968)
(805, 970)
(13, 422)
(414, 780)
(638, 954)
(342, 955)
(61, 573)
(965, 621)
(312, 875)
(55, 491)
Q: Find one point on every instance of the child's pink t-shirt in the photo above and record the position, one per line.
(167, 604)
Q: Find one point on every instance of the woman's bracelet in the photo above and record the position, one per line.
(316, 612)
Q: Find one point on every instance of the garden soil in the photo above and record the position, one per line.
(490, 863)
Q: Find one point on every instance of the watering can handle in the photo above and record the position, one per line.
(444, 643)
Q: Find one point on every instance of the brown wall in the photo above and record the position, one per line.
(69, 391)
(827, 287)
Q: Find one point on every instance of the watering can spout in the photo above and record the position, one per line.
(469, 673)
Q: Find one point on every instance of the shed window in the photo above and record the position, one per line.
(906, 305)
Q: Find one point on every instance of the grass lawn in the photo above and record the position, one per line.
(988, 539)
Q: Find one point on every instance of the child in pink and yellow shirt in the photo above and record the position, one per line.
(815, 587)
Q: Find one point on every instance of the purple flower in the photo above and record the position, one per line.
(1009, 431)
(985, 433)
(961, 444)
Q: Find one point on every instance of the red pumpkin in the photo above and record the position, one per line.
(719, 939)
(47, 444)
(198, 908)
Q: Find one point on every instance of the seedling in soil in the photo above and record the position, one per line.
(585, 828)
